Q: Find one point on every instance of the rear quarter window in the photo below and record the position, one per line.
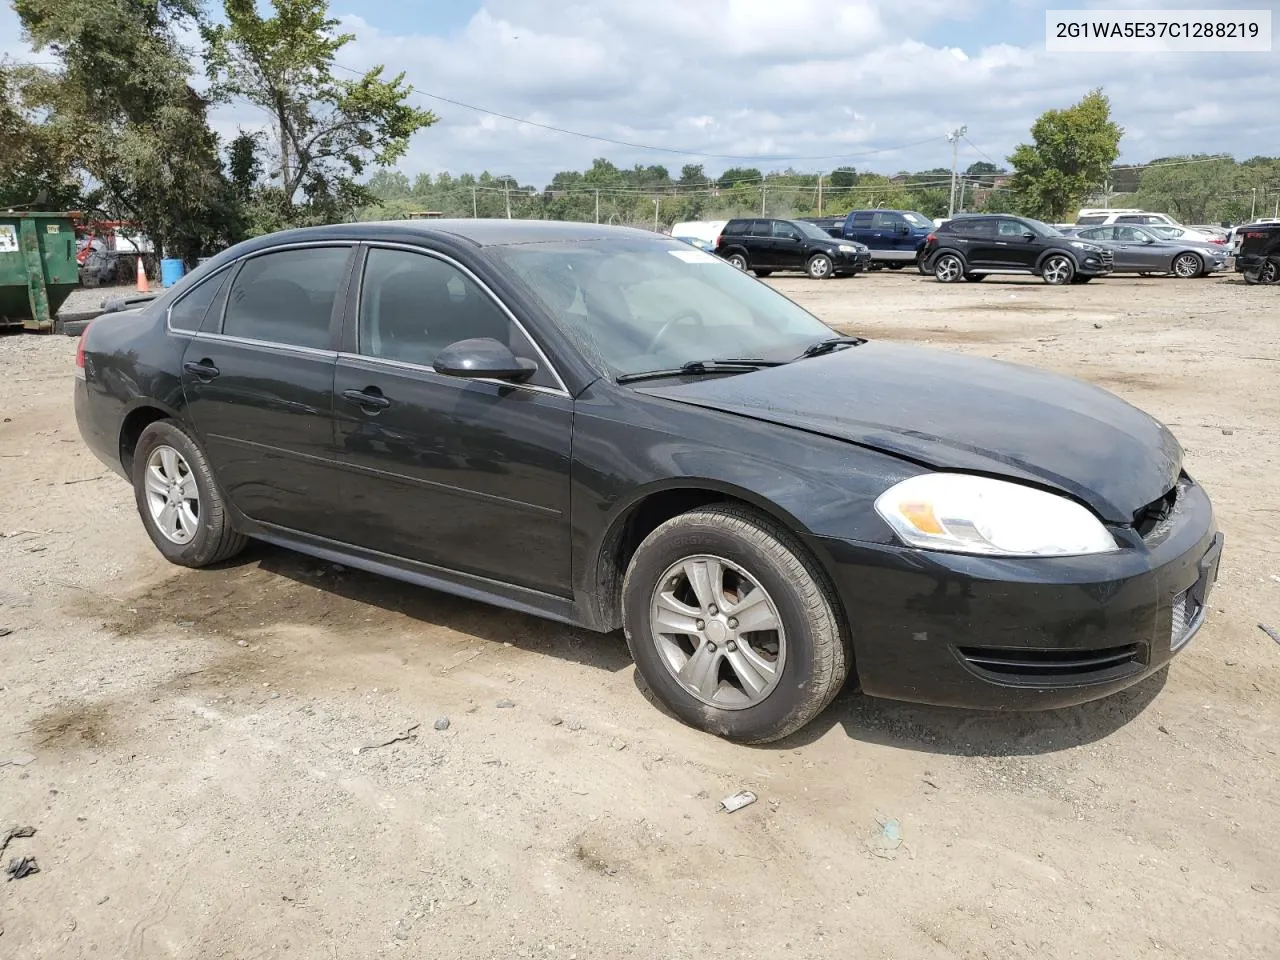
(734, 228)
(203, 300)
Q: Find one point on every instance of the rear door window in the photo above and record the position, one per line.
(762, 228)
(206, 298)
(975, 228)
(1099, 233)
(862, 220)
(287, 297)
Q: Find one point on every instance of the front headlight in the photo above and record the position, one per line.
(960, 513)
(1086, 246)
(847, 248)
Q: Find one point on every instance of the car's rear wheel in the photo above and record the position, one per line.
(1058, 269)
(948, 268)
(894, 266)
(1187, 265)
(975, 277)
(737, 260)
(179, 501)
(732, 626)
(922, 264)
(762, 273)
(1266, 272)
(819, 267)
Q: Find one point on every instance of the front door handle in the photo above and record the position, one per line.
(204, 369)
(370, 398)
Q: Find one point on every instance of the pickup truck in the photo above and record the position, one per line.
(895, 237)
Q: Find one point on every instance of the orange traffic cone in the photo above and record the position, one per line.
(143, 287)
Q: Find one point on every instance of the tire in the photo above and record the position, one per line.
(1185, 266)
(737, 260)
(923, 266)
(947, 268)
(762, 273)
(210, 538)
(1057, 269)
(894, 266)
(811, 646)
(975, 277)
(820, 267)
(1267, 272)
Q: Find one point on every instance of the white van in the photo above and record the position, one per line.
(1104, 216)
(707, 231)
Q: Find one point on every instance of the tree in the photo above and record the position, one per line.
(37, 165)
(692, 175)
(137, 130)
(844, 177)
(327, 130)
(1070, 156)
(740, 175)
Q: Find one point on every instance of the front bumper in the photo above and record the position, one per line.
(853, 262)
(1025, 634)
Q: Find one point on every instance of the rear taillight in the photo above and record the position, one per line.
(80, 352)
(931, 238)
(1216, 240)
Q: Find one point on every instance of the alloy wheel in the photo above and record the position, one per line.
(1187, 265)
(819, 267)
(173, 498)
(738, 261)
(1057, 270)
(948, 268)
(718, 632)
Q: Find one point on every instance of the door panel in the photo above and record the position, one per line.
(468, 475)
(1012, 248)
(979, 243)
(265, 421)
(788, 248)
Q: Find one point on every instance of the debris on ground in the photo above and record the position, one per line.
(1270, 632)
(743, 798)
(20, 867)
(18, 760)
(442, 723)
(617, 743)
(504, 704)
(886, 840)
(16, 833)
(5, 631)
(409, 734)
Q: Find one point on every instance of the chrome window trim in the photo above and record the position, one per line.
(484, 289)
(423, 368)
(272, 344)
(168, 312)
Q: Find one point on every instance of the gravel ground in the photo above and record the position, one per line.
(188, 744)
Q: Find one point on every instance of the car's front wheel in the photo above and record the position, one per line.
(948, 268)
(1058, 269)
(819, 267)
(731, 624)
(178, 499)
(1187, 265)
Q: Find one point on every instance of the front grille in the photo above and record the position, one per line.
(1047, 668)
(1185, 610)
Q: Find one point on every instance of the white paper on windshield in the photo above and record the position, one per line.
(692, 256)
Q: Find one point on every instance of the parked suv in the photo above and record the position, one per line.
(895, 237)
(764, 245)
(1258, 257)
(972, 247)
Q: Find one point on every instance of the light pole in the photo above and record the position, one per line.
(954, 136)
(1253, 204)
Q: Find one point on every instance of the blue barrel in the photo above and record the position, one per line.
(171, 271)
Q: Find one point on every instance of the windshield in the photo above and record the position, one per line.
(917, 219)
(1043, 228)
(810, 230)
(642, 304)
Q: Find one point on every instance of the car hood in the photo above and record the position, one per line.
(952, 412)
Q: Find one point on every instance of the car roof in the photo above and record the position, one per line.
(480, 232)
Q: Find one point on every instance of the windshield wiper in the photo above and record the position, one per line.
(826, 346)
(696, 368)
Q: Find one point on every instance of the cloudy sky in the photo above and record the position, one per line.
(811, 84)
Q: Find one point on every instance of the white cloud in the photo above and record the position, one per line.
(809, 78)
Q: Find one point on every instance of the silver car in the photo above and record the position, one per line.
(1144, 250)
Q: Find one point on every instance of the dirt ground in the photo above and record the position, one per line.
(188, 743)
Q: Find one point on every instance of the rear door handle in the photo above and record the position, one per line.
(204, 369)
(369, 397)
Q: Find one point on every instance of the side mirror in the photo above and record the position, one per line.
(904, 230)
(1148, 239)
(1029, 235)
(482, 357)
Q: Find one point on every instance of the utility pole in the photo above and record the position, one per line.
(506, 189)
(656, 203)
(597, 206)
(1253, 204)
(954, 136)
(764, 189)
(960, 203)
(819, 194)
(475, 213)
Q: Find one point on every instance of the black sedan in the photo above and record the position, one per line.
(614, 429)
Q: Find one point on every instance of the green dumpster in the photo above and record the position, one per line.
(38, 267)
